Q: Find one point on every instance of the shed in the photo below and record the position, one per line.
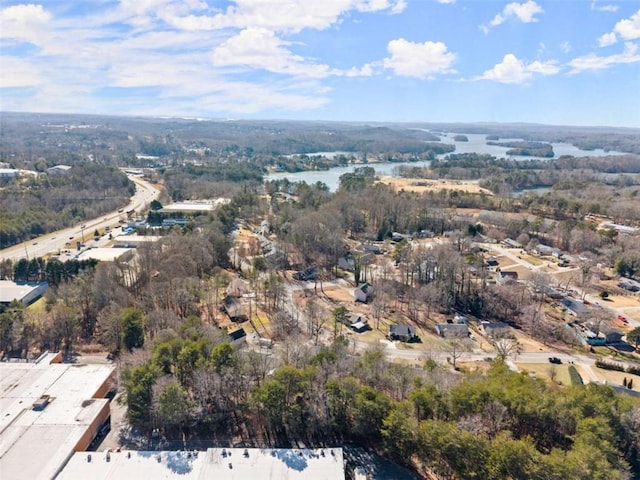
(238, 337)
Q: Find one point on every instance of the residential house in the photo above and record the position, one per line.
(494, 328)
(574, 307)
(403, 333)
(510, 243)
(307, 274)
(611, 334)
(452, 330)
(544, 250)
(234, 309)
(398, 237)
(506, 277)
(59, 170)
(363, 292)
(346, 263)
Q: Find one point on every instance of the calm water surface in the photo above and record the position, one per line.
(477, 144)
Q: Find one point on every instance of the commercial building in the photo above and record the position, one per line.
(48, 411)
(107, 254)
(218, 463)
(134, 241)
(194, 206)
(25, 292)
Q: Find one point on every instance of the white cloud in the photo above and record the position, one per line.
(603, 8)
(24, 22)
(524, 12)
(543, 68)
(629, 29)
(607, 39)
(514, 71)
(290, 16)
(260, 48)
(420, 60)
(565, 47)
(447, 1)
(17, 72)
(596, 62)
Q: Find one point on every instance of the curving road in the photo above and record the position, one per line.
(55, 241)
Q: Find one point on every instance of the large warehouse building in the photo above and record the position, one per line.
(48, 411)
(25, 292)
(214, 463)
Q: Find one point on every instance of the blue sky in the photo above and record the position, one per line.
(569, 62)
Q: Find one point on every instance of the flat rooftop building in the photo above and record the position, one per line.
(107, 254)
(48, 411)
(133, 241)
(195, 206)
(214, 463)
(25, 292)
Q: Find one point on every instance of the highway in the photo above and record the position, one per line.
(55, 241)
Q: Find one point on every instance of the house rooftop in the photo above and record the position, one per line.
(401, 330)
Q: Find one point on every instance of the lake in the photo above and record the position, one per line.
(477, 144)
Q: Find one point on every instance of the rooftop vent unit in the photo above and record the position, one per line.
(41, 403)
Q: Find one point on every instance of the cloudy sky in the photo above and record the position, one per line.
(571, 62)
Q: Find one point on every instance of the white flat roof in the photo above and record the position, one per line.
(135, 239)
(218, 463)
(196, 206)
(36, 444)
(10, 290)
(104, 254)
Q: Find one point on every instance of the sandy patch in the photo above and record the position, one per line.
(421, 185)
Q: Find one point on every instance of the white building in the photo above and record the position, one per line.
(48, 411)
(8, 173)
(25, 292)
(59, 170)
(214, 463)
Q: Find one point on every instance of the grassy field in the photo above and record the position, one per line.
(613, 377)
(558, 374)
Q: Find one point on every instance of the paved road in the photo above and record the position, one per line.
(53, 242)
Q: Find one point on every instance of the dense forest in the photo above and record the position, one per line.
(33, 206)
(26, 139)
(486, 425)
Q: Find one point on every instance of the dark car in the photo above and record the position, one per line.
(554, 360)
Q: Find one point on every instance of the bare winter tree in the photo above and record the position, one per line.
(316, 319)
(456, 349)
